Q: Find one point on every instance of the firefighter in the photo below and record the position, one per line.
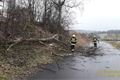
(95, 41)
(73, 42)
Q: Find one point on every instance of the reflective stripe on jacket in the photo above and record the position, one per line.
(94, 40)
(73, 40)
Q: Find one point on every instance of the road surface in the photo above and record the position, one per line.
(106, 67)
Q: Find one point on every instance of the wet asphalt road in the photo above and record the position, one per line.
(106, 67)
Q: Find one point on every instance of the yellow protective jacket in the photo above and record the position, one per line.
(95, 40)
(73, 40)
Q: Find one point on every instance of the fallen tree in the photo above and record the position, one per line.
(42, 41)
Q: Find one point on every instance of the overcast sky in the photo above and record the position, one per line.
(98, 15)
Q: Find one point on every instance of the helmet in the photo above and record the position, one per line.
(94, 36)
(73, 35)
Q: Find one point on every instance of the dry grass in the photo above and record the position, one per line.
(116, 44)
(22, 58)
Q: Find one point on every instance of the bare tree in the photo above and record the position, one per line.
(59, 5)
(54, 15)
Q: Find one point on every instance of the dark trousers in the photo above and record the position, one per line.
(95, 44)
(72, 47)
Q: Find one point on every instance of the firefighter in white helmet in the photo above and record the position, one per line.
(73, 42)
(95, 40)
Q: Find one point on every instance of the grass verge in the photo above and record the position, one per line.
(116, 44)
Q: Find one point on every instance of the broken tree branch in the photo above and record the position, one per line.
(20, 40)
